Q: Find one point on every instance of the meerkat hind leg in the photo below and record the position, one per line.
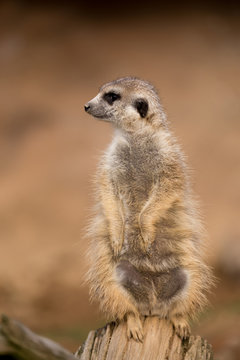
(181, 326)
(134, 327)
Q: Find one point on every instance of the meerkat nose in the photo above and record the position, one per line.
(86, 107)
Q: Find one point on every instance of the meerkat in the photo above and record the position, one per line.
(146, 252)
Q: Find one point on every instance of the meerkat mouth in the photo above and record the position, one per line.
(101, 117)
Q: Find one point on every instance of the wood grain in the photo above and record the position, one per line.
(108, 343)
(160, 343)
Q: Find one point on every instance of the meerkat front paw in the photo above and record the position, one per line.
(134, 328)
(117, 246)
(181, 327)
(147, 234)
(146, 240)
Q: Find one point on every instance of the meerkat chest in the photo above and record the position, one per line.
(134, 166)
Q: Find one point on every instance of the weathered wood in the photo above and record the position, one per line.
(18, 340)
(160, 343)
(108, 343)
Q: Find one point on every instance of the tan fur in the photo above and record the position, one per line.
(146, 216)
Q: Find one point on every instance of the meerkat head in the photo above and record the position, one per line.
(128, 103)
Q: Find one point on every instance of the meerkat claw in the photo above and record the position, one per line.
(145, 243)
(117, 247)
(182, 328)
(135, 334)
(183, 332)
(134, 328)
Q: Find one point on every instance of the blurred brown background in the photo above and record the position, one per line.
(53, 58)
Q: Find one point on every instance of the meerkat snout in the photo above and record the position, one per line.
(86, 107)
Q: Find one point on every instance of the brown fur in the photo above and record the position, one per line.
(146, 253)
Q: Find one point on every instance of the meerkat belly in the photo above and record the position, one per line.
(150, 290)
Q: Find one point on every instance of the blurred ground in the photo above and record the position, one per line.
(52, 61)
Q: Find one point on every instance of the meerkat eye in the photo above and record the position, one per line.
(110, 97)
(142, 107)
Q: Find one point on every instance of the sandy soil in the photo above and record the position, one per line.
(52, 61)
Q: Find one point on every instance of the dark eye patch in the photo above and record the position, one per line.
(110, 97)
(142, 107)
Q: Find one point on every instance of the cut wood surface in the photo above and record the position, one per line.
(160, 343)
(108, 343)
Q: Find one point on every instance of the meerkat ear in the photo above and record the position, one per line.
(142, 107)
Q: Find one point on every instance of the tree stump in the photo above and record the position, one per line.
(160, 343)
(108, 343)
